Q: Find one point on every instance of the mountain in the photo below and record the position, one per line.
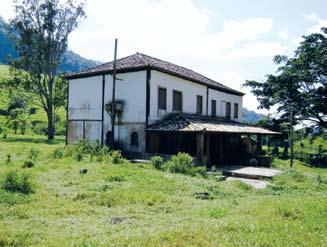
(251, 116)
(71, 62)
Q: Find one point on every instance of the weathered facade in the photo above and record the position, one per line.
(148, 90)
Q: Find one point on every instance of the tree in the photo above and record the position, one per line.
(300, 84)
(18, 120)
(299, 87)
(40, 31)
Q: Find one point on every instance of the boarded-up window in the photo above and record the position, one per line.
(228, 110)
(199, 104)
(177, 101)
(235, 110)
(162, 99)
(213, 108)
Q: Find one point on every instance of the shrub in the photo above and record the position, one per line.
(180, 163)
(40, 127)
(116, 157)
(115, 178)
(79, 156)
(8, 158)
(98, 151)
(58, 153)
(33, 154)
(157, 162)
(201, 170)
(4, 135)
(17, 183)
(28, 164)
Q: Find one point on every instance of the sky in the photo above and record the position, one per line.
(228, 41)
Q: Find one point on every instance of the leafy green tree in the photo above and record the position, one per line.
(18, 120)
(300, 85)
(40, 30)
(16, 101)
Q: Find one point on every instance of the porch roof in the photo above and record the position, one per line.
(196, 123)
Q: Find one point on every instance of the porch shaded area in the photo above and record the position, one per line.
(211, 140)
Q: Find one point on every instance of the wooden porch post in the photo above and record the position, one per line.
(199, 148)
(208, 150)
(221, 149)
(259, 142)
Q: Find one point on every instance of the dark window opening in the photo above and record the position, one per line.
(177, 101)
(162, 99)
(199, 104)
(228, 110)
(135, 139)
(213, 108)
(235, 110)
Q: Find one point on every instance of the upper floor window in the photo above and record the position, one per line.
(162, 99)
(199, 104)
(177, 101)
(235, 110)
(213, 108)
(228, 110)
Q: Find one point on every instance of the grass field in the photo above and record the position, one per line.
(136, 205)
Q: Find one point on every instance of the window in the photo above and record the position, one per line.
(213, 108)
(235, 110)
(135, 139)
(199, 105)
(162, 99)
(177, 101)
(228, 110)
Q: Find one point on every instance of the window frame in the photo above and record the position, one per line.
(236, 109)
(228, 116)
(160, 109)
(173, 106)
(214, 103)
(199, 108)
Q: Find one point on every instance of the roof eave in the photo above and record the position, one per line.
(140, 68)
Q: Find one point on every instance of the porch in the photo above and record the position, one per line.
(211, 140)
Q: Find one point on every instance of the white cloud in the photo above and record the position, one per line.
(283, 34)
(319, 23)
(255, 49)
(6, 9)
(176, 31)
(166, 28)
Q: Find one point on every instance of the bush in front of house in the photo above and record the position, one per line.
(82, 150)
(157, 162)
(183, 163)
(116, 157)
(17, 183)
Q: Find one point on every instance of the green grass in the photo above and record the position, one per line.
(155, 208)
(311, 148)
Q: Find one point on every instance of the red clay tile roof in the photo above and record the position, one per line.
(195, 123)
(140, 61)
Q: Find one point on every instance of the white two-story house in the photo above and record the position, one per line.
(161, 108)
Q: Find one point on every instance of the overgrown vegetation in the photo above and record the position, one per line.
(140, 205)
(181, 163)
(17, 183)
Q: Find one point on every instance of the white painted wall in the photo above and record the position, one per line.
(85, 98)
(85, 102)
(225, 97)
(189, 89)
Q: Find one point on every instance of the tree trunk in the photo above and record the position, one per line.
(291, 140)
(51, 129)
